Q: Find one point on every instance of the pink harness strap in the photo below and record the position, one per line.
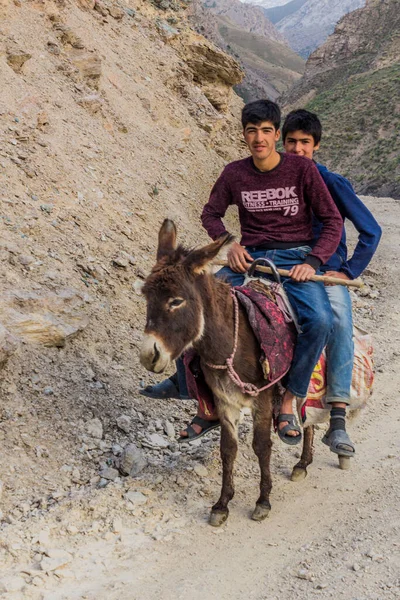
(245, 388)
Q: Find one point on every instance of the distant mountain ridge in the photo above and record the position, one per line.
(309, 26)
(306, 24)
(277, 13)
(353, 83)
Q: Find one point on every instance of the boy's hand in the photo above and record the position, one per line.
(302, 272)
(337, 274)
(238, 258)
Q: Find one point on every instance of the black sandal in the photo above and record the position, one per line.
(292, 425)
(193, 435)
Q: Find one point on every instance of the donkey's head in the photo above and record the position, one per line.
(175, 314)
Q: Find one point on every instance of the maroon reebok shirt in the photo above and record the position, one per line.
(275, 206)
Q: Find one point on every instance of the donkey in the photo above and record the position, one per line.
(188, 307)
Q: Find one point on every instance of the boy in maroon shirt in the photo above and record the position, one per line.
(276, 195)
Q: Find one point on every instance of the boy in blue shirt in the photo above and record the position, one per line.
(301, 134)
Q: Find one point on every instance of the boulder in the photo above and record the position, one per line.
(16, 58)
(88, 65)
(94, 428)
(132, 461)
(68, 36)
(116, 12)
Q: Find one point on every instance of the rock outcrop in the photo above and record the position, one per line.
(214, 70)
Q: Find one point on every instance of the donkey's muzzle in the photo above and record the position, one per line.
(153, 355)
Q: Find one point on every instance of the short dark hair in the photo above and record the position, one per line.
(302, 120)
(261, 110)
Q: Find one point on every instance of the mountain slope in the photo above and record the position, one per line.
(353, 83)
(270, 66)
(274, 63)
(248, 17)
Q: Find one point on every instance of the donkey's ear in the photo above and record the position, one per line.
(197, 260)
(166, 239)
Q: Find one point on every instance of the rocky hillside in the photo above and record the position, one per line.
(353, 83)
(112, 117)
(270, 66)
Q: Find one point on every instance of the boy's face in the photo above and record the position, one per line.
(301, 143)
(261, 139)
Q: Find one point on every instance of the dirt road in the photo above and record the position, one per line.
(334, 535)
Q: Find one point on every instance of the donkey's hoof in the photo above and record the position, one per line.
(344, 463)
(261, 512)
(298, 474)
(218, 518)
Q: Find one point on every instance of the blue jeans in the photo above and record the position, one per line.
(313, 310)
(340, 347)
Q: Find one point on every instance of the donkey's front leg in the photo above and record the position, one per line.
(262, 444)
(229, 418)
(300, 470)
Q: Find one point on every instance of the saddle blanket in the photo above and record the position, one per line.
(275, 335)
(276, 338)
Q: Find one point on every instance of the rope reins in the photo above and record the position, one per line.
(245, 388)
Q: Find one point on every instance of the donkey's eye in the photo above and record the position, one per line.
(175, 302)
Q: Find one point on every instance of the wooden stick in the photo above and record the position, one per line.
(357, 283)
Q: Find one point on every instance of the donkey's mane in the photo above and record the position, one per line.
(172, 259)
(164, 269)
